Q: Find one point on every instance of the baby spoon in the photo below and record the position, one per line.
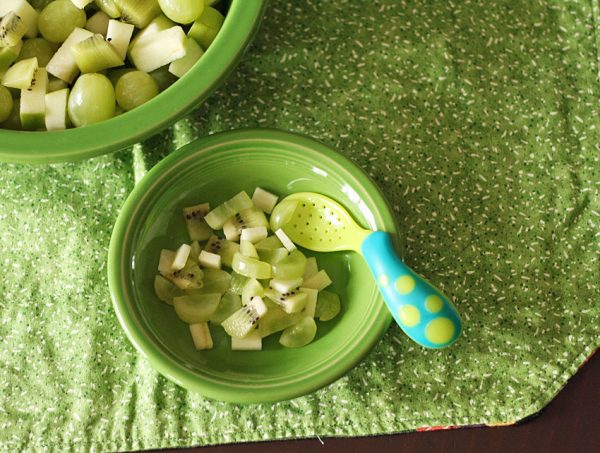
(319, 223)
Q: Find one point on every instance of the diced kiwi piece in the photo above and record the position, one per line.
(252, 218)
(191, 277)
(231, 231)
(209, 260)
(239, 202)
(165, 261)
(223, 247)
(214, 281)
(12, 30)
(240, 323)
(8, 55)
(230, 303)
(311, 267)
(291, 302)
(237, 283)
(159, 23)
(201, 336)
(195, 308)
(195, 250)
(158, 49)
(292, 266)
(98, 23)
(109, 7)
(56, 110)
(251, 342)
(94, 54)
(25, 11)
(164, 289)
(328, 306)
(265, 200)
(300, 334)
(20, 74)
(251, 267)
(282, 214)
(318, 281)
(63, 64)
(311, 301)
(218, 216)
(254, 234)
(251, 289)
(138, 12)
(284, 286)
(119, 35)
(248, 249)
(181, 257)
(272, 256)
(270, 243)
(206, 27)
(33, 102)
(198, 229)
(276, 320)
(193, 52)
(33, 107)
(246, 219)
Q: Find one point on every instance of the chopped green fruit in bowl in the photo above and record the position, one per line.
(223, 354)
(289, 295)
(143, 51)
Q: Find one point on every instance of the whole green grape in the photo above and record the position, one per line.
(92, 100)
(134, 88)
(59, 19)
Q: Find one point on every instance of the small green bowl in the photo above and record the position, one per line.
(241, 23)
(214, 169)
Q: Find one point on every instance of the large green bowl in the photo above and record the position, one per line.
(214, 169)
(242, 21)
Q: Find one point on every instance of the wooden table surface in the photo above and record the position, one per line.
(571, 423)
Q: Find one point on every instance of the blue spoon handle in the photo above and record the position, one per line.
(423, 313)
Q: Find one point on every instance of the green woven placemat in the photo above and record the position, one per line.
(479, 120)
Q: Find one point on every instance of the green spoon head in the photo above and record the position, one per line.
(317, 222)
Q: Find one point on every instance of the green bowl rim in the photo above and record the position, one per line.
(117, 261)
(240, 26)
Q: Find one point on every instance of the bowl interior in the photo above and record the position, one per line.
(241, 22)
(214, 169)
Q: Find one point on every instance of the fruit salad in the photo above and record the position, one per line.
(270, 286)
(67, 63)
